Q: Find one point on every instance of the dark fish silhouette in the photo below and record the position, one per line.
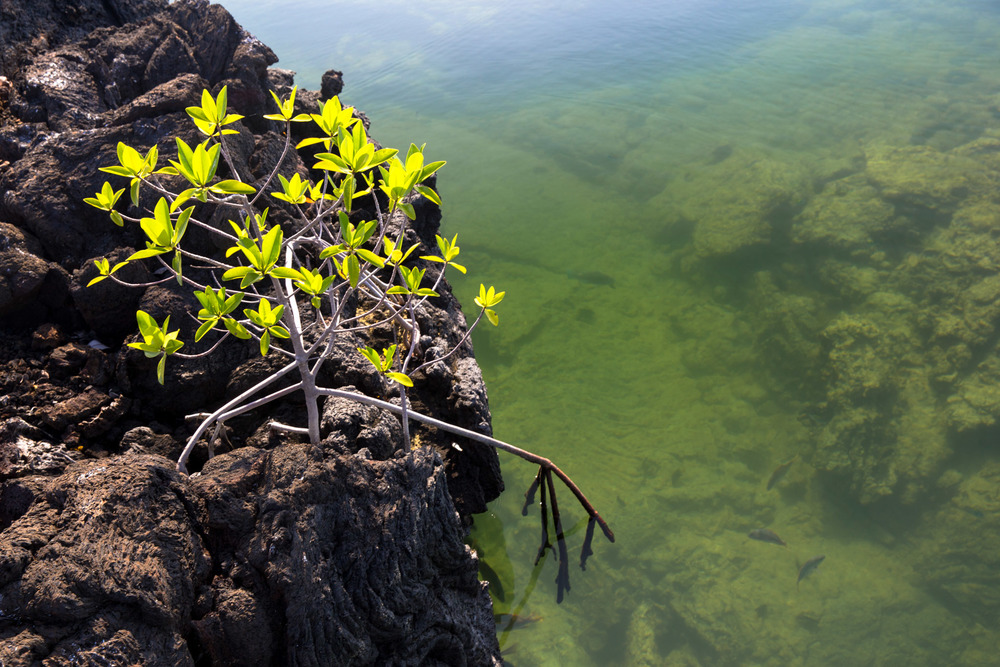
(591, 277)
(808, 567)
(720, 154)
(780, 472)
(765, 535)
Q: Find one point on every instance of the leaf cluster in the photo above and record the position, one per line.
(275, 273)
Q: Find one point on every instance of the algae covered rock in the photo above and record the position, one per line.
(848, 215)
(921, 177)
(736, 203)
(885, 435)
(787, 327)
(976, 401)
(958, 548)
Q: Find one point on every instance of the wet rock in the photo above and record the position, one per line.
(30, 27)
(143, 440)
(332, 84)
(172, 57)
(173, 96)
(640, 641)
(74, 359)
(884, 435)
(349, 427)
(787, 329)
(108, 308)
(68, 97)
(976, 401)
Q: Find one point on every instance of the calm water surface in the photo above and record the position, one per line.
(732, 235)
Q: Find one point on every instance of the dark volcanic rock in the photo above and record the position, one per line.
(108, 553)
(351, 580)
(276, 553)
(22, 271)
(284, 557)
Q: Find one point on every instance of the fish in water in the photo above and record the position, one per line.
(765, 535)
(808, 568)
(591, 277)
(780, 472)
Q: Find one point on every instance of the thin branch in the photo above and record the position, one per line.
(193, 440)
(484, 439)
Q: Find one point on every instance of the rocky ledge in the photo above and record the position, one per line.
(275, 552)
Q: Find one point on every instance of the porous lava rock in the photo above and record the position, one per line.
(275, 552)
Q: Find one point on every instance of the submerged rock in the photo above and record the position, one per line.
(736, 203)
(957, 549)
(925, 179)
(847, 215)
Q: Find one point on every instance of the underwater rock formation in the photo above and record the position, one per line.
(958, 546)
(735, 204)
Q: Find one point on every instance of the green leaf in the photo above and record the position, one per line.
(233, 187)
(371, 257)
(265, 343)
(429, 193)
(430, 168)
(353, 270)
(389, 353)
(161, 369)
(372, 356)
(283, 272)
(176, 266)
(332, 162)
(236, 328)
(204, 329)
(238, 272)
(148, 252)
(147, 325)
(271, 247)
(133, 191)
(401, 378)
(118, 171)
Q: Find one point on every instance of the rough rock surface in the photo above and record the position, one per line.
(276, 552)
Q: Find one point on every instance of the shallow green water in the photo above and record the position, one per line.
(795, 203)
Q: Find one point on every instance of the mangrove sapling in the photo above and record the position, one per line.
(296, 286)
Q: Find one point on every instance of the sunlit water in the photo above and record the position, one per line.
(717, 260)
